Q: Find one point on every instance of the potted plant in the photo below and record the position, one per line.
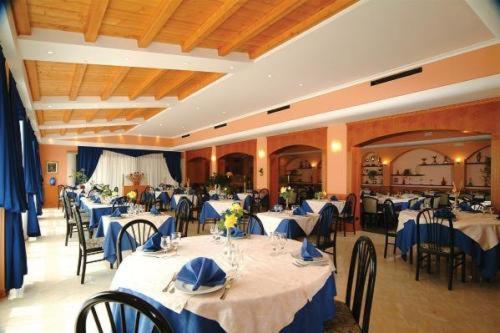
(80, 177)
(372, 174)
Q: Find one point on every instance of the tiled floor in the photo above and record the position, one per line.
(52, 294)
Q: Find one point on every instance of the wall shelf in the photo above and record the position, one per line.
(435, 164)
(396, 175)
(421, 185)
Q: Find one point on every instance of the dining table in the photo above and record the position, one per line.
(477, 234)
(268, 293)
(287, 222)
(316, 205)
(400, 202)
(97, 210)
(213, 209)
(110, 226)
(177, 197)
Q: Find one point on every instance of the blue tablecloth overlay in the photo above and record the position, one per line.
(109, 245)
(163, 197)
(208, 212)
(173, 202)
(308, 319)
(305, 206)
(487, 261)
(287, 226)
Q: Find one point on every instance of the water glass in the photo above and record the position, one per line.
(165, 240)
(273, 236)
(282, 242)
(175, 239)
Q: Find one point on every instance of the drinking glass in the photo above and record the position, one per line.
(175, 239)
(212, 231)
(282, 242)
(164, 242)
(273, 236)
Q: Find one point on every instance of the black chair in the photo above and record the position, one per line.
(440, 242)
(348, 214)
(60, 192)
(70, 219)
(477, 207)
(120, 201)
(264, 200)
(137, 233)
(87, 247)
(412, 202)
(371, 211)
(117, 301)
(254, 225)
(390, 225)
(183, 215)
(359, 296)
(326, 230)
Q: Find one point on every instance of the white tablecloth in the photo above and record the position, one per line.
(271, 220)
(169, 193)
(317, 205)
(243, 196)
(396, 200)
(220, 206)
(91, 205)
(192, 197)
(157, 220)
(270, 291)
(482, 228)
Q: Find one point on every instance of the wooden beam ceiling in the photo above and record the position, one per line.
(34, 83)
(97, 9)
(173, 84)
(119, 75)
(156, 75)
(164, 11)
(262, 24)
(91, 115)
(67, 116)
(22, 18)
(111, 115)
(133, 114)
(78, 75)
(228, 8)
(185, 91)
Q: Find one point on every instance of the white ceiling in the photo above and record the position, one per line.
(369, 39)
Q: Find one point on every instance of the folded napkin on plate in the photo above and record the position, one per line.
(214, 197)
(153, 243)
(465, 207)
(444, 213)
(116, 213)
(201, 271)
(97, 200)
(308, 251)
(154, 211)
(334, 198)
(299, 211)
(416, 205)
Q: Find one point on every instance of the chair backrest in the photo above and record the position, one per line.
(68, 214)
(390, 219)
(411, 202)
(183, 215)
(60, 189)
(79, 228)
(254, 225)
(370, 205)
(477, 207)
(431, 231)
(361, 281)
(133, 234)
(428, 202)
(119, 202)
(349, 209)
(443, 199)
(121, 312)
(326, 226)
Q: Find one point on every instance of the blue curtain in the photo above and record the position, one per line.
(88, 157)
(12, 191)
(32, 179)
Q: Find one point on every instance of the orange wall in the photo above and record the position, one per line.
(58, 154)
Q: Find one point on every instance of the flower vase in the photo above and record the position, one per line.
(286, 204)
(228, 246)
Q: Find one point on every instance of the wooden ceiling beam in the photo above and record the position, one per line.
(185, 91)
(62, 131)
(95, 16)
(81, 130)
(277, 13)
(155, 76)
(31, 69)
(173, 84)
(39, 117)
(67, 116)
(76, 83)
(111, 115)
(228, 8)
(311, 21)
(119, 75)
(134, 114)
(21, 17)
(164, 11)
(91, 114)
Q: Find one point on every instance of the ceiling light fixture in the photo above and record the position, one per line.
(50, 52)
(269, 75)
(301, 85)
(231, 67)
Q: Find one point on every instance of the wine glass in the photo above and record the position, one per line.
(212, 231)
(175, 239)
(164, 242)
(282, 242)
(273, 236)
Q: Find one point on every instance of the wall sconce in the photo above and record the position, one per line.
(458, 160)
(213, 158)
(386, 162)
(314, 164)
(336, 146)
(261, 153)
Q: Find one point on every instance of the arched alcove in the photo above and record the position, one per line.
(241, 166)
(478, 169)
(198, 170)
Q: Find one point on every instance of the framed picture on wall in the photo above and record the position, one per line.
(52, 166)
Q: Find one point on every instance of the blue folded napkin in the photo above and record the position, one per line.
(97, 200)
(334, 198)
(444, 213)
(308, 251)
(465, 206)
(236, 232)
(153, 243)
(299, 211)
(116, 213)
(416, 205)
(201, 271)
(214, 197)
(154, 211)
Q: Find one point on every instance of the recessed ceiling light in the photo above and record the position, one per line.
(301, 85)
(50, 52)
(231, 67)
(269, 75)
(161, 125)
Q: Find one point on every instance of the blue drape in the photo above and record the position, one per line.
(88, 157)
(12, 191)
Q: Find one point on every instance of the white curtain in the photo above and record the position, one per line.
(113, 169)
